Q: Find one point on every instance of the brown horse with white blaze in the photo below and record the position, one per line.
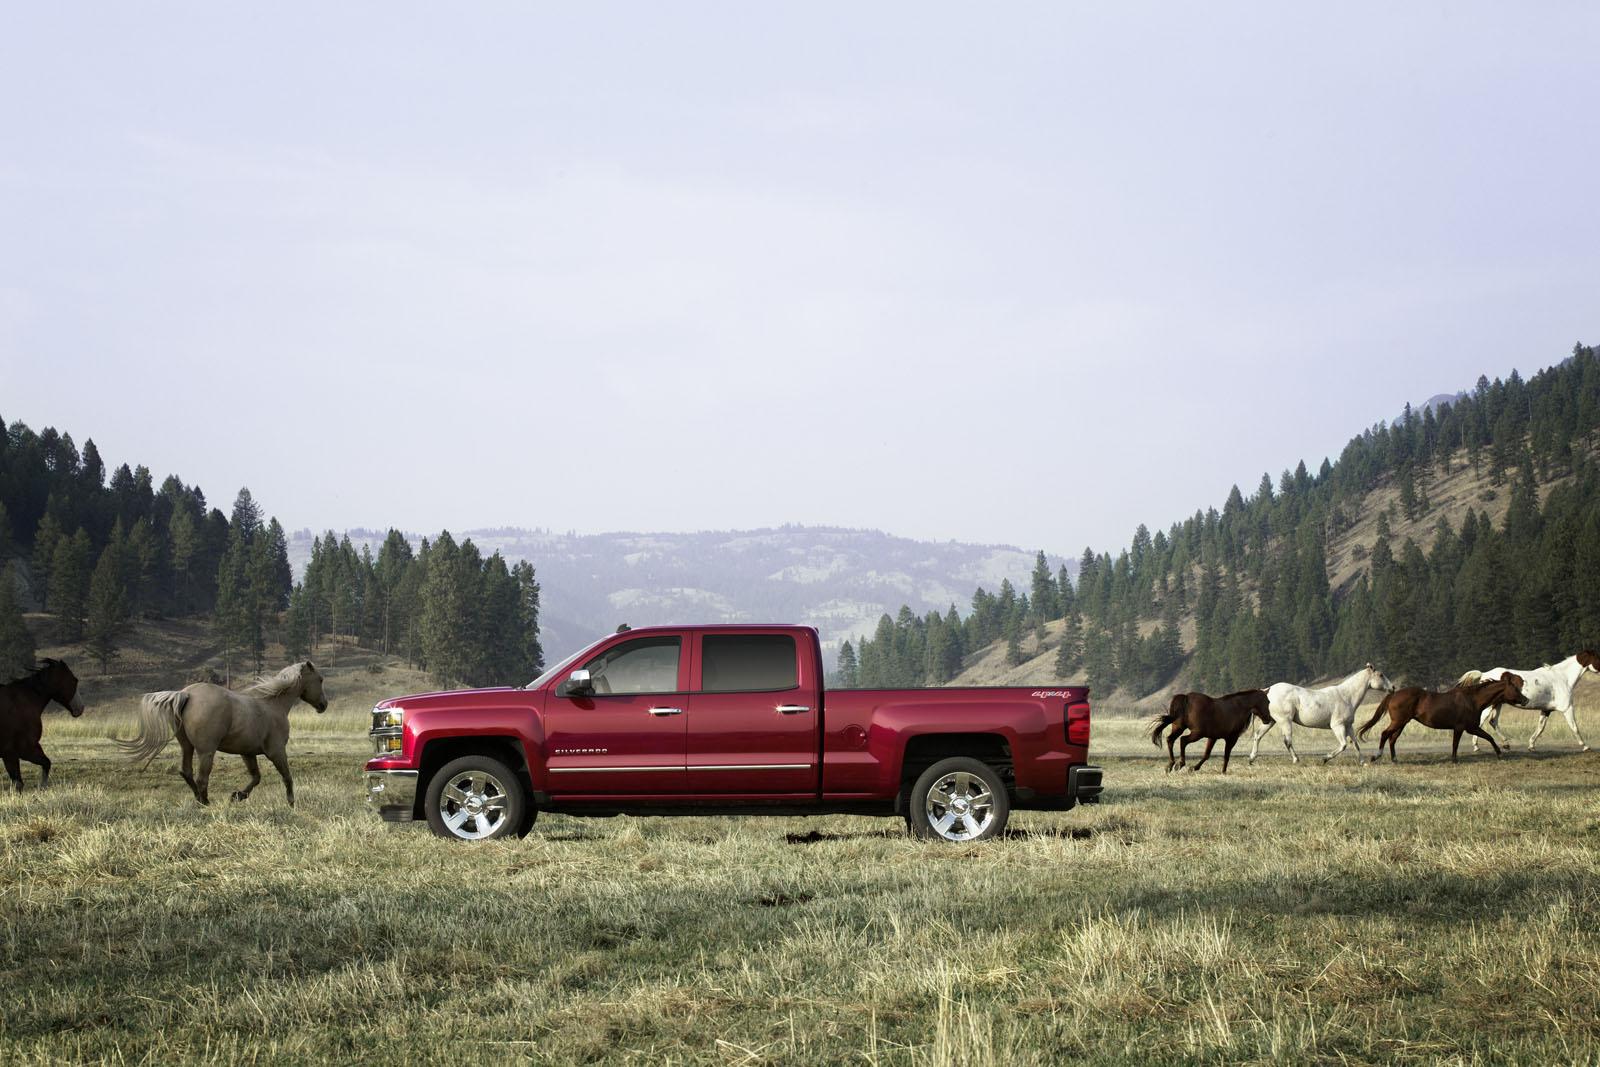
(1457, 710)
(1208, 718)
(22, 705)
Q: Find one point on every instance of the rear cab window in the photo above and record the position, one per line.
(748, 663)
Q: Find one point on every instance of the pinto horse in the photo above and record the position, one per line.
(1456, 710)
(22, 704)
(1549, 689)
(1211, 718)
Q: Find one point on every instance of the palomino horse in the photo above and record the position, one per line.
(1210, 718)
(208, 719)
(1455, 709)
(1549, 689)
(22, 704)
(1332, 706)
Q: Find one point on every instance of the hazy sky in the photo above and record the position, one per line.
(1021, 273)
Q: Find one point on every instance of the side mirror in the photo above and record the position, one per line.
(578, 683)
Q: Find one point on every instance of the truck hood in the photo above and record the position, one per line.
(450, 698)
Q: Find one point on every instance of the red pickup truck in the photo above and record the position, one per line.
(679, 720)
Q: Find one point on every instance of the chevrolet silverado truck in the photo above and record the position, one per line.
(681, 720)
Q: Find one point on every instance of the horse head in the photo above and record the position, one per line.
(1378, 680)
(311, 687)
(1511, 686)
(58, 683)
(1589, 660)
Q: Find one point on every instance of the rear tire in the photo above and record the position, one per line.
(476, 798)
(958, 800)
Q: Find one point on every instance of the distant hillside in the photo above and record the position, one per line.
(1464, 533)
(838, 580)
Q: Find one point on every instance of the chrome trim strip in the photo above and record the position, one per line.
(696, 767)
(588, 770)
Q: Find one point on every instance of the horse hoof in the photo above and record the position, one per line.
(239, 794)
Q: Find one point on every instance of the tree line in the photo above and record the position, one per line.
(1253, 579)
(445, 607)
(97, 552)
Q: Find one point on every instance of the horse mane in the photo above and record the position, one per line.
(273, 685)
(27, 674)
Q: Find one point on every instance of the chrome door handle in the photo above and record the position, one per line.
(666, 711)
(792, 709)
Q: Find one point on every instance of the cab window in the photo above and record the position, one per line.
(646, 665)
(732, 663)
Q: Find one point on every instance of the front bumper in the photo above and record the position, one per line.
(393, 794)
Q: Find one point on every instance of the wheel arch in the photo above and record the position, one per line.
(924, 750)
(439, 751)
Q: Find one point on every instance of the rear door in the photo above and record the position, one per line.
(753, 715)
(628, 737)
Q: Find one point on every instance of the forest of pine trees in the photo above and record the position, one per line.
(1254, 575)
(98, 553)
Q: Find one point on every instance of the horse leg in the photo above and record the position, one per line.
(1544, 720)
(36, 755)
(280, 760)
(254, 768)
(1183, 750)
(1339, 736)
(1211, 742)
(1257, 734)
(13, 771)
(1455, 744)
(202, 782)
(1227, 750)
(1479, 731)
(1570, 713)
(187, 770)
(1493, 725)
(1172, 739)
(1288, 739)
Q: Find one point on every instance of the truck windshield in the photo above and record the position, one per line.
(564, 666)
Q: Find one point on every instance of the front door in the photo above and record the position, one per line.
(627, 737)
(753, 718)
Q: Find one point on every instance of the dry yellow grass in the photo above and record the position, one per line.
(1416, 913)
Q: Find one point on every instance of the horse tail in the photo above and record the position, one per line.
(1160, 722)
(1470, 678)
(1383, 706)
(160, 715)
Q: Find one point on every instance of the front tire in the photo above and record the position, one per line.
(958, 800)
(476, 798)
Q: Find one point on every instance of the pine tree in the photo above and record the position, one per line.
(45, 541)
(1014, 656)
(16, 642)
(107, 609)
(847, 674)
(1069, 654)
(69, 583)
(1046, 596)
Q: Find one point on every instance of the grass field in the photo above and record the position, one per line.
(1418, 913)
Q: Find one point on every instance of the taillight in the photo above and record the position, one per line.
(1078, 724)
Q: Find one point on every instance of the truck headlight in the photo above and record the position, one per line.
(387, 728)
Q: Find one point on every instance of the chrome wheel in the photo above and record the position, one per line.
(959, 806)
(473, 805)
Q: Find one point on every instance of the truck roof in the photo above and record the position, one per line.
(674, 627)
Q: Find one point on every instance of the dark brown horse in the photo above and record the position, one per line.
(1458, 710)
(1211, 718)
(21, 716)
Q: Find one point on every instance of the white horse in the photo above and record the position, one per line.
(1549, 689)
(1332, 706)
